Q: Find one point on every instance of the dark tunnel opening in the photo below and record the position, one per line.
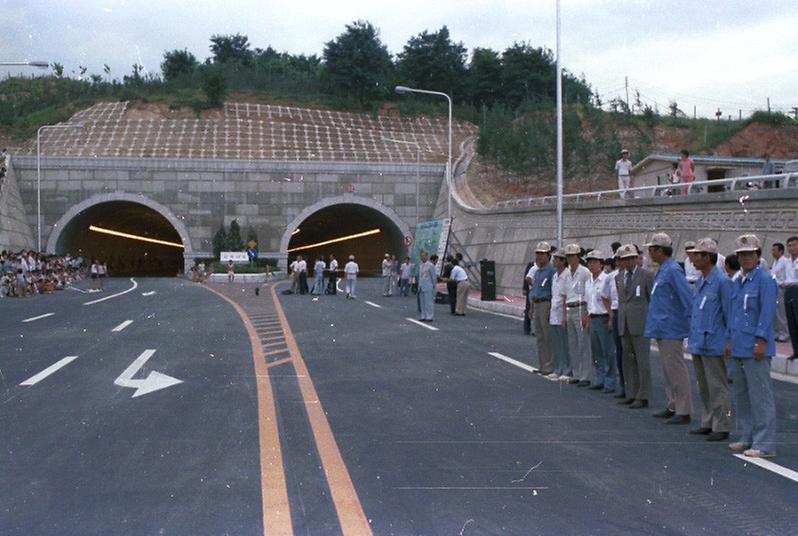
(125, 256)
(344, 220)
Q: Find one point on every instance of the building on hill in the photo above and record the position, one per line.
(656, 169)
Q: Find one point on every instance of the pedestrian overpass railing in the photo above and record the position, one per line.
(702, 188)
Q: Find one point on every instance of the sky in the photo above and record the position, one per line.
(709, 54)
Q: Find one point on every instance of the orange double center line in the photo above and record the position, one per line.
(350, 512)
(274, 492)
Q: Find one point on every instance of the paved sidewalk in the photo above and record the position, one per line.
(514, 306)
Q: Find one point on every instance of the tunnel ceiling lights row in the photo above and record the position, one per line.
(336, 240)
(133, 237)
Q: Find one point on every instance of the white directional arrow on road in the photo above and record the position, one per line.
(153, 382)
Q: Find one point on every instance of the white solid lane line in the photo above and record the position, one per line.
(512, 361)
(131, 289)
(422, 324)
(373, 304)
(38, 317)
(33, 380)
(123, 325)
(150, 293)
(770, 466)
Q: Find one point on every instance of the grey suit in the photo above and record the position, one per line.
(427, 278)
(633, 299)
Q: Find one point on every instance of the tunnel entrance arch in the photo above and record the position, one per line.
(158, 242)
(345, 216)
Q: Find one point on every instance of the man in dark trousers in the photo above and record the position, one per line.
(451, 286)
(527, 302)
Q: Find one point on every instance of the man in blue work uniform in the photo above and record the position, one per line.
(707, 340)
(751, 348)
(668, 322)
(540, 298)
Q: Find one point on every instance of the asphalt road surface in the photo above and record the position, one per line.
(422, 431)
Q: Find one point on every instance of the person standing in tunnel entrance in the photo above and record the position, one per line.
(331, 284)
(302, 268)
(427, 278)
(387, 283)
(350, 272)
(318, 276)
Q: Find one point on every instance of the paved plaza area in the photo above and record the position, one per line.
(175, 408)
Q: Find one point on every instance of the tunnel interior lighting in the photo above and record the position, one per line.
(335, 240)
(296, 232)
(133, 237)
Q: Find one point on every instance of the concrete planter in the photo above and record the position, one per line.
(240, 278)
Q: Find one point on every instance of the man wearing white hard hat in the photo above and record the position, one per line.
(668, 321)
(599, 309)
(540, 297)
(752, 345)
(576, 321)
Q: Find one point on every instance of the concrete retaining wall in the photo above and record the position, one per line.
(508, 236)
(15, 231)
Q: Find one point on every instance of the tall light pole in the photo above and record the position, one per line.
(418, 166)
(39, 176)
(559, 135)
(402, 90)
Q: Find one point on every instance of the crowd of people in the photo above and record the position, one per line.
(398, 279)
(27, 273)
(594, 316)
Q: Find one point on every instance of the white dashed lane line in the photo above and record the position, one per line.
(373, 304)
(31, 319)
(33, 380)
(512, 361)
(123, 325)
(422, 324)
(770, 466)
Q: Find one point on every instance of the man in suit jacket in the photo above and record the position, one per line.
(634, 286)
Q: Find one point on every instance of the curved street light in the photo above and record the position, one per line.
(403, 90)
(38, 64)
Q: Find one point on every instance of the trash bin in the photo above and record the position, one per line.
(487, 272)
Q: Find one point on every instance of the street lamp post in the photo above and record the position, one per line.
(559, 215)
(402, 90)
(39, 176)
(418, 166)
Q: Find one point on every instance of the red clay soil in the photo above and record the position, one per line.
(781, 142)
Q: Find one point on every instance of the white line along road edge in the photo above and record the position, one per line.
(373, 304)
(153, 382)
(422, 324)
(33, 380)
(31, 319)
(131, 289)
(770, 466)
(123, 325)
(512, 361)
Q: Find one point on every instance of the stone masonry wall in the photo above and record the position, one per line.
(15, 232)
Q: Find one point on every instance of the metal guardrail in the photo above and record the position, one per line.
(779, 181)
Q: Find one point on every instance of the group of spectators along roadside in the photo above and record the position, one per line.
(596, 315)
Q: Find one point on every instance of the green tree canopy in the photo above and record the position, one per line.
(357, 64)
(528, 74)
(432, 61)
(178, 63)
(227, 48)
(219, 241)
(234, 241)
(214, 85)
(484, 77)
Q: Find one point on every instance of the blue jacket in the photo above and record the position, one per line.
(752, 310)
(670, 305)
(541, 286)
(710, 318)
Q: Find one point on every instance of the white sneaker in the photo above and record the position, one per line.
(553, 376)
(564, 378)
(756, 453)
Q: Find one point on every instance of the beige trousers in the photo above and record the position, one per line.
(677, 377)
(540, 317)
(462, 297)
(713, 388)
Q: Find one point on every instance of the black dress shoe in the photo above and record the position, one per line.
(664, 414)
(573, 381)
(583, 383)
(596, 387)
(637, 404)
(718, 436)
(626, 402)
(678, 419)
(701, 431)
(620, 395)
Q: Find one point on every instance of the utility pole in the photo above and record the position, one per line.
(626, 84)
(768, 104)
(694, 111)
(740, 114)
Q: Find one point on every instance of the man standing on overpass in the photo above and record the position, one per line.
(623, 168)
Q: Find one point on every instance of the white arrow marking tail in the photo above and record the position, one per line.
(153, 382)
